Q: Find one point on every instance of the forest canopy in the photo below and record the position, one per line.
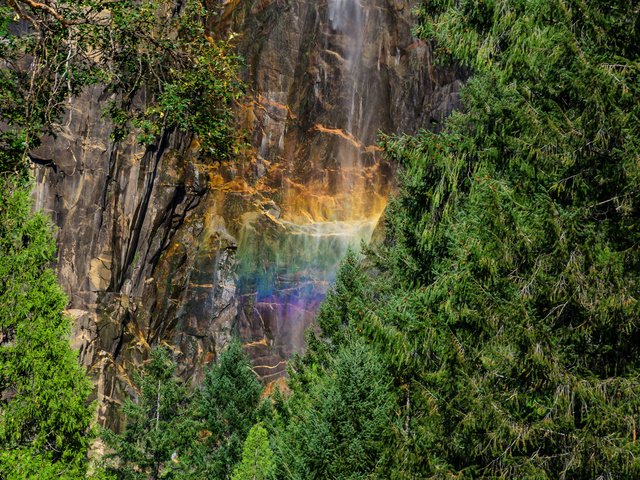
(503, 301)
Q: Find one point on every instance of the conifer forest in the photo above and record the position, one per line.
(332, 239)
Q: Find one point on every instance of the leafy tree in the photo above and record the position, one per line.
(257, 457)
(229, 405)
(160, 68)
(44, 409)
(340, 426)
(160, 432)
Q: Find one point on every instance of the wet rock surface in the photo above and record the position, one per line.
(325, 77)
(157, 246)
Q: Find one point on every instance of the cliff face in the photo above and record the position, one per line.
(155, 247)
(140, 254)
(325, 78)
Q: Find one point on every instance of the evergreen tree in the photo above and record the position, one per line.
(44, 410)
(257, 457)
(345, 300)
(506, 298)
(160, 432)
(229, 405)
(172, 432)
(339, 426)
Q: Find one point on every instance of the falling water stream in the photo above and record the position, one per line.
(289, 257)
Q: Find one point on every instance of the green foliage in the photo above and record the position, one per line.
(339, 426)
(257, 457)
(44, 409)
(160, 68)
(188, 80)
(172, 432)
(345, 300)
(160, 431)
(229, 405)
(505, 297)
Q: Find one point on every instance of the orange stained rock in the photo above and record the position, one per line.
(312, 203)
(372, 149)
(271, 367)
(137, 333)
(262, 101)
(262, 342)
(237, 185)
(335, 54)
(173, 348)
(278, 384)
(124, 375)
(416, 44)
(318, 127)
(229, 7)
(209, 357)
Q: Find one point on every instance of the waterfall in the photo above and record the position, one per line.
(331, 196)
(348, 21)
(346, 18)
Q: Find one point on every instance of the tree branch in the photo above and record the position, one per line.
(38, 6)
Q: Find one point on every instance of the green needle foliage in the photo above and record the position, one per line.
(44, 410)
(160, 432)
(337, 424)
(172, 432)
(505, 297)
(257, 457)
(229, 405)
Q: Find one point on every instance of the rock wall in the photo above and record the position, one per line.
(325, 77)
(141, 252)
(158, 247)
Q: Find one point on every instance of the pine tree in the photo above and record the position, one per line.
(229, 405)
(44, 409)
(160, 433)
(172, 431)
(257, 457)
(346, 298)
(340, 425)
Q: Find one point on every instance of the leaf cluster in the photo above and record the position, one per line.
(159, 67)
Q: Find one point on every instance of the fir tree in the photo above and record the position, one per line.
(160, 430)
(44, 410)
(229, 405)
(257, 457)
(338, 427)
(174, 432)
